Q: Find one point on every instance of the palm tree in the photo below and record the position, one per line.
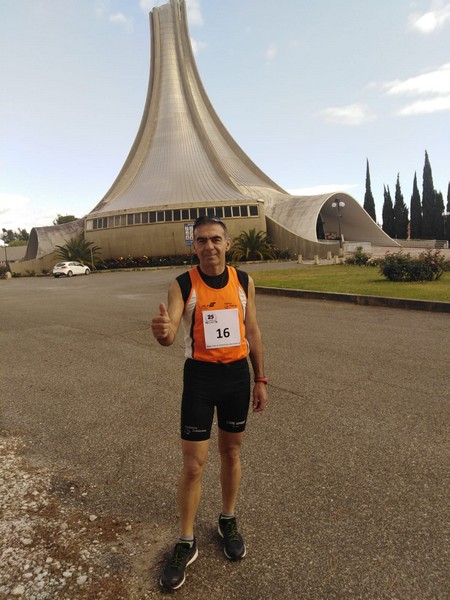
(252, 245)
(79, 249)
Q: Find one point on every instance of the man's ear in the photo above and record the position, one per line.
(228, 243)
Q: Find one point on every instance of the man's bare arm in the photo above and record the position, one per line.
(253, 335)
(165, 325)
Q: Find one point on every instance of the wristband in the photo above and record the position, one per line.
(264, 380)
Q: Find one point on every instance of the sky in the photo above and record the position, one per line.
(309, 90)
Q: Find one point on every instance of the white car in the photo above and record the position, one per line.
(70, 268)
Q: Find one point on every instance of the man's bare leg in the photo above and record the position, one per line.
(230, 478)
(190, 484)
(230, 471)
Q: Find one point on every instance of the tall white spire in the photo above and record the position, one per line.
(182, 153)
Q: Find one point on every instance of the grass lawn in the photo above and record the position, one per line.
(352, 279)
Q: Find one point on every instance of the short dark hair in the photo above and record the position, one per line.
(210, 219)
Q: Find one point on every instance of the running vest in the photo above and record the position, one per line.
(213, 320)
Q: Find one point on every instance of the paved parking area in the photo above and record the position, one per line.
(346, 475)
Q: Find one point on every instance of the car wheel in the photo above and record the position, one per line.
(87, 272)
(69, 273)
(56, 276)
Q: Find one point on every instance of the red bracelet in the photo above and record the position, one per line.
(264, 380)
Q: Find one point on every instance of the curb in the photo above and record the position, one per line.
(363, 300)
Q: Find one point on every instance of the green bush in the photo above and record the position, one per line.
(375, 261)
(140, 262)
(428, 266)
(282, 254)
(360, 258)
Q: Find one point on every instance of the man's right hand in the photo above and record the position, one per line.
(162, 325)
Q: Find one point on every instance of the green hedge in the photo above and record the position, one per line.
(428, 266)
(140, 262)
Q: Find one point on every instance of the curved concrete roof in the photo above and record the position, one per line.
(299, 214)
(44, 239)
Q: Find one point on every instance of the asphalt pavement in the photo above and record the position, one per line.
(346, 475)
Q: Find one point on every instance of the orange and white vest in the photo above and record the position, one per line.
(213, 320)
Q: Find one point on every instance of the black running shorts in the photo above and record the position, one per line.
(208, 385)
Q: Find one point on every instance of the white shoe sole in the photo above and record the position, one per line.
(224, 550)
(177, 587)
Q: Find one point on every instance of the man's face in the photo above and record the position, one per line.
(210, 245)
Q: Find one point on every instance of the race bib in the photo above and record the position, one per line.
(221, 328)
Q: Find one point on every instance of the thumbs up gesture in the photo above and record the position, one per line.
(163, 310)
(161, 326)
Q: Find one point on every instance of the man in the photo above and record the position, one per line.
(217, 306)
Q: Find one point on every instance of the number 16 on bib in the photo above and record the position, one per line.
(221, 328)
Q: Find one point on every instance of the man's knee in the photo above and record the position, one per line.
(194, 459)
(230, 456)
(193, 467)
(230, 446)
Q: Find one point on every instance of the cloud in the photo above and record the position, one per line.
(17, 211)
(147, 5)
(194, 13)
(323, 189)
(271, 52)
(432, 82)
(103, 11)
(435, 85)
(100, 7)
(424, 107)
(432, 20)
(197, 47)
(352, 114)
(121, 19)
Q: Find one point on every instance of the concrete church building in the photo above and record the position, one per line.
(184, 164)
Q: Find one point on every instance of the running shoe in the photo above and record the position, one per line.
(233, 544)
(174, 574)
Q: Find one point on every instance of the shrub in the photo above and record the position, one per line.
(252, 245)
(132, 262)
(360, 258)
(375, 261)
(428, 266)
(139, 262)
(282, 254)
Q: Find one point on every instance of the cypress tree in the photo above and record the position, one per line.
(388, 213)
(446, 221)
(400, 213)
(428, 201)
(415, 212)
(438, 226)
(369, 202)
